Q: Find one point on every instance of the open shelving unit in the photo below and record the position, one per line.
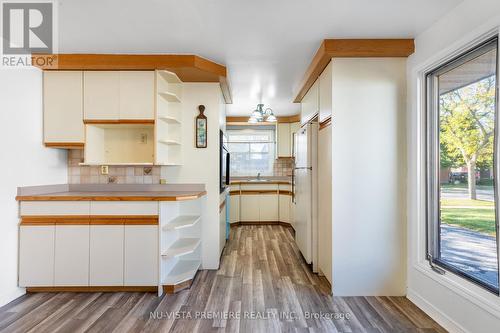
(180, 239)
(168, 125)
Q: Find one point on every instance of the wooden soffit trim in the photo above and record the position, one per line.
(188, 67)
(352, 48)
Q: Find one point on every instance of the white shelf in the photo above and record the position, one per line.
(182, 221)
(170, 142)
(181, 247)
(182, 271)
(170, 120)
(169, 77)
(170, 97)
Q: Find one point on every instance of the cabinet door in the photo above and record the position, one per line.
(36, 256)
(222, 228)
(71, 255)
(106, 255)
(63, 107)
(141, 255)
(137, 90)
(269, 207)
(325, 93)
(234, 209)
(249, 208)
(101, 95)
(284, 208)
(294, 128)
(284, 149)
(310, 104)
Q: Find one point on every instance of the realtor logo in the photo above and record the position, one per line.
(27, 27)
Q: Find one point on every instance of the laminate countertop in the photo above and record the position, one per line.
(174, 192)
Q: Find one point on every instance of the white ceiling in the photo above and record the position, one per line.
(265, 44)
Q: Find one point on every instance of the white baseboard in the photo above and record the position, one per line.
(449, 324)
(9, 297)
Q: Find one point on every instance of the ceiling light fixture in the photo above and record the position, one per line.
(259, 115)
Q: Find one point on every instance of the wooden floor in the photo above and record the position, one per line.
(263, 285)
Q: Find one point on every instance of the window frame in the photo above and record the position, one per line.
(432, 147)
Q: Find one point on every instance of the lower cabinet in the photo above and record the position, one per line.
(249, 208)
(36, 255)
(106, 255)
(71, 263)
(269, 207)
(284, 208)
(234, 208)
(141, 255)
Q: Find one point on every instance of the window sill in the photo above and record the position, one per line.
(468, 290)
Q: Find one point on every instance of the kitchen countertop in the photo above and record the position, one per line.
(111, 192)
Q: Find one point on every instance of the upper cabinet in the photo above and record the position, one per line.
(63, 108)
(119, 95)
(325, 93)
(283, 142)
(310, 104)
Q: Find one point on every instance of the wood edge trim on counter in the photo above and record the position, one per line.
(65, 145)
(173, 288)
(241, 223)
(237, 192)
(222, 205)
(281, 120)
(41, 220)
(188, 67)
(285, 192)
(327, 122)
(352, 48)
(93, 289)
(48, 197)
(118, 121)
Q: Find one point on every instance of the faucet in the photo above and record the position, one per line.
(258, 176)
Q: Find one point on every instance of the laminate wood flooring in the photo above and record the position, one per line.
(263, 285)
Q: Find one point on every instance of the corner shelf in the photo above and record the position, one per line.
(169, 142)
(170, 97)
(169, 120)
(181, 247)
(182, 221)
(183, 270)
(169, 77)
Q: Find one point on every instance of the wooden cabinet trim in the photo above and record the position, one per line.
(119, 121)
(65, 145)
(352, 48)
(89, 220)
(327, 122)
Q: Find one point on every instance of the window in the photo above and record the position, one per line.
(252, 150)
(462, 165)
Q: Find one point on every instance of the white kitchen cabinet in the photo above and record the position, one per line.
(106, 255)
(36, 256)
(294, 128)
(71, 255)
(250, 206)
(268, 207)
(234, 208)
(325, 93)
(137, 93)
(310, 104)
(284, 208)
(63, 107)
(115, 95)
(101, 93)
(141, 255)
(283, 136)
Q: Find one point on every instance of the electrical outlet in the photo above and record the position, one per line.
(104, 170)
(163, 181)
(144, 138)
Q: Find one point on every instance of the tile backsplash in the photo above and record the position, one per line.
(283, 167)
(80, 174)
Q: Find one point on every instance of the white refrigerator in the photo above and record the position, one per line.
(305, 192)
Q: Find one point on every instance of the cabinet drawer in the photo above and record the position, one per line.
(55, 208)
(124, 208)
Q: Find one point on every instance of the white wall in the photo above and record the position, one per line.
(24, 161)
(201, 165)
(368, 163)
(455, 303)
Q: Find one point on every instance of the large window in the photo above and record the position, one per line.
(462, 166)
(252, 150)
